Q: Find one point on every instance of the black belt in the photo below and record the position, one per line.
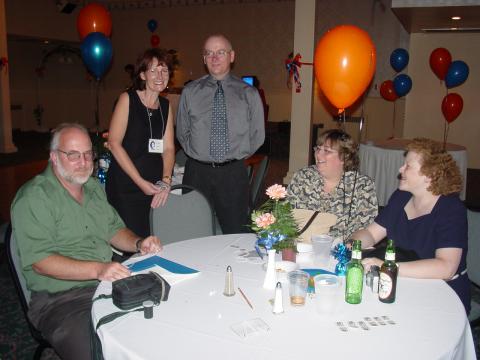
(215, 164)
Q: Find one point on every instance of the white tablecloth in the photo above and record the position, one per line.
(195, 322)
(382, 163)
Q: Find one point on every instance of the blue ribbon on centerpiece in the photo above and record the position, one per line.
(267, 239)
(343, 254)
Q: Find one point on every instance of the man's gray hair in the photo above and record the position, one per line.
(60, 128)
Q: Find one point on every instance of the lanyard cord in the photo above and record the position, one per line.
(347, 221)
(149, 114)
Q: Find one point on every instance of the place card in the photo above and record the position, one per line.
(251, 327)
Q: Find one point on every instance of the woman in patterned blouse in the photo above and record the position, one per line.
(333, 185)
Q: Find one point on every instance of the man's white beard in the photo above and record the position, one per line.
(71, 177)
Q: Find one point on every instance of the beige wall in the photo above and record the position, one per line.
(423, 109)
(261, 33)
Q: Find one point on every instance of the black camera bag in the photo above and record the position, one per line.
(132, 291)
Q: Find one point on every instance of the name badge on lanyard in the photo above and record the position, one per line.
(155, 146)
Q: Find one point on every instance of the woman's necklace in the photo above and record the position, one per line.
(150, 114)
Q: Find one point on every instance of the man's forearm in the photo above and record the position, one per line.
(125, 240)
(66, 268)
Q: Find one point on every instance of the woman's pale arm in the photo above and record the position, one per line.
(168, 158)
(443, 266)
(116, 133)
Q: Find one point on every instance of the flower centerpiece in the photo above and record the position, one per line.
(274, 223)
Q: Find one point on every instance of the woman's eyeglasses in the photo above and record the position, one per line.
(326, 151)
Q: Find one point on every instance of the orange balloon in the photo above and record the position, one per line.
(94, 18)
(345, 60)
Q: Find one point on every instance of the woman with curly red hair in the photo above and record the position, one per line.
(426, 216)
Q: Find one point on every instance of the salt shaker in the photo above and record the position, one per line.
(278, 302)
(229, 288)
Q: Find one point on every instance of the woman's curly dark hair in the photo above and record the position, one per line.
(438, 165)
(144, 61)
(346, 146)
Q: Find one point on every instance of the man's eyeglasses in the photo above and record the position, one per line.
(74, 156)
(325, 150)
(219, 53)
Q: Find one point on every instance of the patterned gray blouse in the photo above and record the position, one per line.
(354, 209)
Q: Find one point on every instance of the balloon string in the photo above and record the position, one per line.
(445, 135)
(97, 118)
(394, 118)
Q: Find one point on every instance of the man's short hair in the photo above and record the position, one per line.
(60, 128)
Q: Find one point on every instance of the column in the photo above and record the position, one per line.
(6, 144)
(301, 116)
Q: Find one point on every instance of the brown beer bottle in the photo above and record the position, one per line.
(388, 275)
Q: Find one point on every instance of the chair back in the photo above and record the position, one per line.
(15, 268)
(258, 181)
(180, 158)
(186, 215)
(473, 246)
(23, 293)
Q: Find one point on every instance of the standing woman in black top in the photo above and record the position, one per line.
(141, 141)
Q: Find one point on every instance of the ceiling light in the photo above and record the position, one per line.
(456, 18)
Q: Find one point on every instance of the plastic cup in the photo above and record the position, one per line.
(298, 284)
(327, 290)
(321, 247)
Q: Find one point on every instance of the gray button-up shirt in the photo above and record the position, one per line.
(244, 116)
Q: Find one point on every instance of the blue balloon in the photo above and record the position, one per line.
(152, 25)
(399, 59)
(97, 53)
(402, 84)
(457, 74)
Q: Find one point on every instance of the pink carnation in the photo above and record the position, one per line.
(276, 192)
(265, 220)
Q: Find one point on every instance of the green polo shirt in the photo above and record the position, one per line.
(47, 220)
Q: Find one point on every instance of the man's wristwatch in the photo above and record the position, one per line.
(138, 243)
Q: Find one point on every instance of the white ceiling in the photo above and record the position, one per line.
(432, 16)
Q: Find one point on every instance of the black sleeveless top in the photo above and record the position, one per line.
(135, 143)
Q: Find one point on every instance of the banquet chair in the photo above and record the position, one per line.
(186, 215)
(257, 182)
(472, 262)
(180, 158)
(22, 290)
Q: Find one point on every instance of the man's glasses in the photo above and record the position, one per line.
(219, 53)
(325, 150)
(74, 156)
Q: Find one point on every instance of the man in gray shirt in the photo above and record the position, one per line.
(219, 123)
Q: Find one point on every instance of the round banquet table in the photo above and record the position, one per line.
(382, 159)
(195, 321)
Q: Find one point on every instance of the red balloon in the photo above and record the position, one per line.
(387, 91)
(440, 60)
(452, 106)
(94, 18)
(155, 40)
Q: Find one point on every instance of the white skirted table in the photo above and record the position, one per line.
(195, 322)
(382, 159)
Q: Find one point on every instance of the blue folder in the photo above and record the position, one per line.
(168, 265)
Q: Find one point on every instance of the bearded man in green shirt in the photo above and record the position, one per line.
(64, 228)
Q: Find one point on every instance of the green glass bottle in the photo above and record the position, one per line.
(354, 277)
(388, 275)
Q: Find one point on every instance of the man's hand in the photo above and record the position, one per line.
(150, 245)
(112, 271)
